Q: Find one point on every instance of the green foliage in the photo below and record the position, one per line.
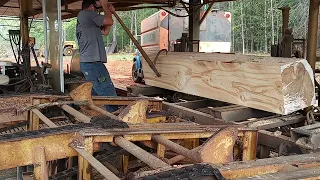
(257, 15)
(257, 24)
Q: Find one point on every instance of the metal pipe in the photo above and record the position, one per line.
(178, 158)
(45, 28)
(60, 47)
(312, 33)
(143, 155)
(81, 117)
(192, 155)
(103, 112)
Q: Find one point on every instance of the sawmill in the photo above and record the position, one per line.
(193, 112)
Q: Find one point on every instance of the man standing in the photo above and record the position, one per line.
(90, 28)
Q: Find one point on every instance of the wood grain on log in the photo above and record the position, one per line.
(279, 85)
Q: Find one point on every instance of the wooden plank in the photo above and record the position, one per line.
(271, 84)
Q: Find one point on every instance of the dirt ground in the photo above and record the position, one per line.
(118, 65)
(120, 72)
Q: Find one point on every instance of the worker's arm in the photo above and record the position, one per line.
(105, 30)
(108, 9)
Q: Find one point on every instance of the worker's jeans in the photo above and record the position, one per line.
(97, 73)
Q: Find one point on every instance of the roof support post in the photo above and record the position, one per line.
(194, 24)
(312, 33)
(25, 8)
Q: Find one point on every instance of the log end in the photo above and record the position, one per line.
(298, 86)
(219, 148)
(82, 93)
(135, 113)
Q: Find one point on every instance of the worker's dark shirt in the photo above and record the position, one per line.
(91, 45)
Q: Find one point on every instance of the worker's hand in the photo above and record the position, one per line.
(102, 2)
(111, 8)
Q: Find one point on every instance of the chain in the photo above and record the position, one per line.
(313, 115)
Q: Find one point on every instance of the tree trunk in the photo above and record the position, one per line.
(272, 23)
(242, 28)
(232, 29)
(114, 36)
(135, 25)
(265, 27)
(131, 29)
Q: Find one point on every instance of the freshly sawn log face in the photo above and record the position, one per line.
(279, 85)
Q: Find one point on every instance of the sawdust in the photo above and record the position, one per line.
(13, 103)
(260, 123)
(108, 123)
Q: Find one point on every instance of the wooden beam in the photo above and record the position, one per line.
(194, 26)
(313, 33)
(25, 8)
(3, 2)
(206, 13)
(271, 84)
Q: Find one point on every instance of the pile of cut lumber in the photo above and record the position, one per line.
(278, 85)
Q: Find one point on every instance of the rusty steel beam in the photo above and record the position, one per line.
(249, 139)
(307, 164)
(196, 116)
(312, 33)
(105, 172)
(44, 119)
(83, 93)
(218, 149)
(81, 117)
(141, 154)
(154, 104)
(20, 152)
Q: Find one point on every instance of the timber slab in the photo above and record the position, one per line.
(278, 85)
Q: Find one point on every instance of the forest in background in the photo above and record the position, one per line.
(256, 24)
